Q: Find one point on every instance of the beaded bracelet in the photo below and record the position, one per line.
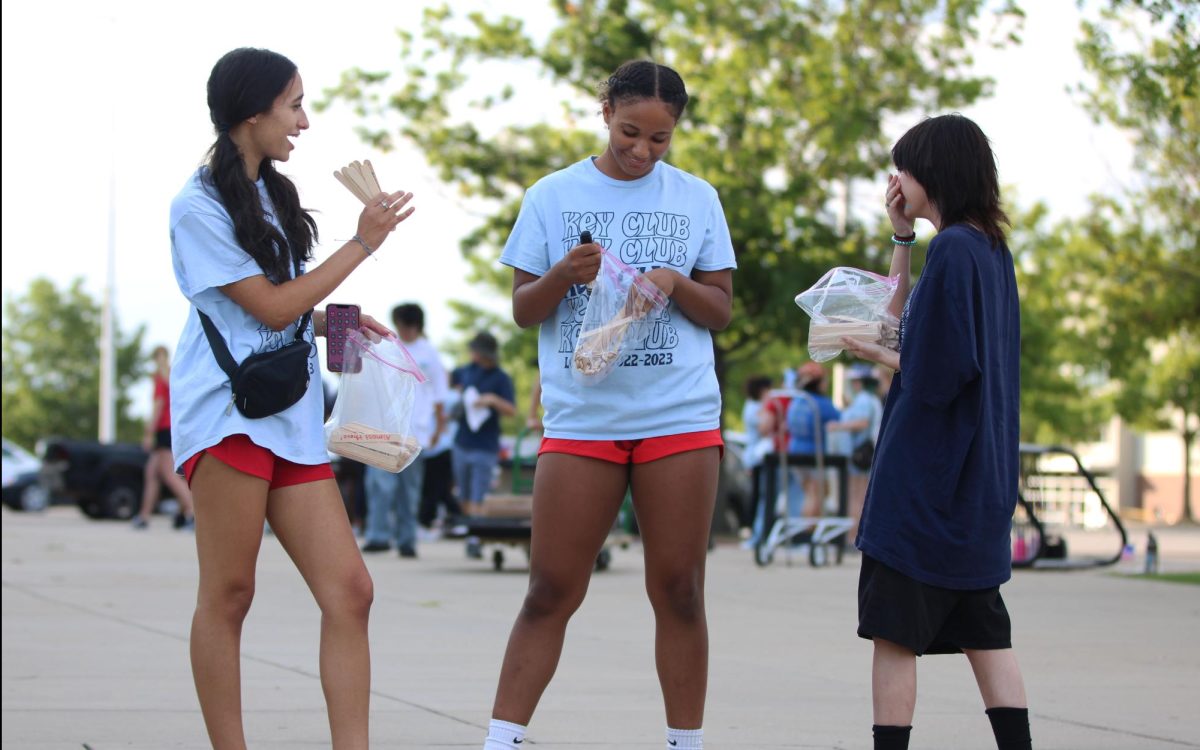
(907, 241)
(363, 243)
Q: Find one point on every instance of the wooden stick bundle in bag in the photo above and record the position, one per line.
(599, 347)
(365, 444)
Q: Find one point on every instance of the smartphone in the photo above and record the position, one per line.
(339, 321)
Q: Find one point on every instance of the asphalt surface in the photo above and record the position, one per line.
(96, 619)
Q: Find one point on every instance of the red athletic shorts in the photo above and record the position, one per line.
(238, 452)
(635, 451)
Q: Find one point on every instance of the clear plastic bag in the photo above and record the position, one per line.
(372, 417)
(853, 303)
(621, 313)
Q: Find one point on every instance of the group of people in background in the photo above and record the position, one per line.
(800, 417)
(934, 528)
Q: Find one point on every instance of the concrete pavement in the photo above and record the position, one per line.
(96, 618)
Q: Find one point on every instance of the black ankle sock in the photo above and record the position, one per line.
(890, 738)
(1011, 727)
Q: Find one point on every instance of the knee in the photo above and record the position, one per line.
(679, 596)
(230, 601)
(548, 597)
(355, 594)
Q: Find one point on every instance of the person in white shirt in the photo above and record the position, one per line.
(393, 499)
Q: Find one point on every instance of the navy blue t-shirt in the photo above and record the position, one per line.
(944, 480)
(486, 380)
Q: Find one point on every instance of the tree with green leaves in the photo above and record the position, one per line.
(1060, 402)
(52, 365)
(1143, 311)
(792, 102)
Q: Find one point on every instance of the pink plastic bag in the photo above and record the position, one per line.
(372, 417)
(620, 315)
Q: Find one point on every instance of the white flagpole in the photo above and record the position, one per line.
(108, 355)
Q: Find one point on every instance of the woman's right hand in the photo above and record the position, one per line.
(382, 216)
(894, 200)
(581, 264)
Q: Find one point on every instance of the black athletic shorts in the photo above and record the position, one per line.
(162, 438)
(928, 619)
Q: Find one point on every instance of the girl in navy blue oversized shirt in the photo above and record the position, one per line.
(944, 482)
(935, 527)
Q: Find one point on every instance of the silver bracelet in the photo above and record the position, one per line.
(370, 250)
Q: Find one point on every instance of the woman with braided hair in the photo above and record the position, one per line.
(239, 241)
(651, 426)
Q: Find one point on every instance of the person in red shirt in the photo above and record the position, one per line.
(160, 466)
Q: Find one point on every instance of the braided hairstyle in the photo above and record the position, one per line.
(643, 79)
(952, 159)
(244, 83)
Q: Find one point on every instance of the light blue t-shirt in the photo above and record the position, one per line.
(206, 256)
(669, 218)
(866, 406)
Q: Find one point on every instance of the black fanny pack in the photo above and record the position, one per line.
(268, 382)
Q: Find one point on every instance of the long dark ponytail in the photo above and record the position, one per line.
(244, 83)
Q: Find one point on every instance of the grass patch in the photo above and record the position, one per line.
(1192, 578)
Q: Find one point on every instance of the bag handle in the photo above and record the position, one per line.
(408, 365)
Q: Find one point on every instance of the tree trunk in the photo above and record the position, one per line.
(1189, 437)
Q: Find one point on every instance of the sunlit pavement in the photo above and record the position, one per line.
(96, 618)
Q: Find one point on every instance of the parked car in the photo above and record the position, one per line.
(21, 488)
(104, 479)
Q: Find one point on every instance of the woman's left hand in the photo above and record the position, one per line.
(872, 352)
(664, 279)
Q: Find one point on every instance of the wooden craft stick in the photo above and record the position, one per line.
(371, 173)
(354, 177)
(350, 186)
(360, 176)
(364, 178)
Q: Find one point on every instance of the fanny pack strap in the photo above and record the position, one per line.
(220, 349)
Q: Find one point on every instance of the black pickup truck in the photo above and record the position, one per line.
(104, 479)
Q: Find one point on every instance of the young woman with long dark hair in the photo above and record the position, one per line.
(238, 234)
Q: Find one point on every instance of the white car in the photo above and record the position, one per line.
(21, 490)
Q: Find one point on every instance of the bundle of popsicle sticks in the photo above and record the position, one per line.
(599, 348)
(365, 444)
(359, 178)
(828, 333)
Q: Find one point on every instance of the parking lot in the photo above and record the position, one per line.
(96, 618)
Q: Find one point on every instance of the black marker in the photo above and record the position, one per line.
(585, 237)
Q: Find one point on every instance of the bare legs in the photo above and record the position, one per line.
(894, 681)
(674, 501)
(310, 522)
(578, 498)
(160, 468)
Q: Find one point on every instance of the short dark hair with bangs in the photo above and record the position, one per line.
(952, 159)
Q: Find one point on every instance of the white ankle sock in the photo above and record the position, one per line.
(503, 735)
(685, 739)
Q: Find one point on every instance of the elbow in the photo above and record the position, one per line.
(278, 324)
(722, 321)
(523, 318)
